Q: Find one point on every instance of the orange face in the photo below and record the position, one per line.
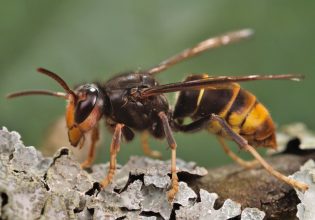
(83, 112)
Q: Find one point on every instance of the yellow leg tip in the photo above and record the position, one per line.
(85, 164)
(171, 194)
(156, 154)
(175, 187)
(301, 186)
(250, 164)
(105, 183)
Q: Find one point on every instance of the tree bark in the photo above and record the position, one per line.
(256, 187)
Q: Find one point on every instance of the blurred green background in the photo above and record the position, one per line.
(88, 40)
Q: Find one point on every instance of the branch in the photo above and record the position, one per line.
(256, 188)
(33, 187)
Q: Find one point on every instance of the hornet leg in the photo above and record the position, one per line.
(114, 149)
(244, 144)
(171, 142)
(201, 124)
(94, 138)
(146, 148)
(246, 164)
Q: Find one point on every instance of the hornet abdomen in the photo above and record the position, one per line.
(240, 108)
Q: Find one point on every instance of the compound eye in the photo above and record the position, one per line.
(85, 106)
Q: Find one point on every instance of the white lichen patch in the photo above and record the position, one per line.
(252, 214)
(306, 210)
(132, 197)
(205, 208)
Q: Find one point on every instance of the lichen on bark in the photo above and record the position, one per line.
(37, 187)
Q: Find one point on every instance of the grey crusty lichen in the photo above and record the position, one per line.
(306, 174)
(35, 187)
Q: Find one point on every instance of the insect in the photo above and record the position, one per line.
(135, 102)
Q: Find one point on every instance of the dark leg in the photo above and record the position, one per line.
(202, 123)
(146, 148)
(193, 126)
(171, 142)
(114, 149)
(244, 144)
(94, 138)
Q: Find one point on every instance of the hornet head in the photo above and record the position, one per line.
(84, 105)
